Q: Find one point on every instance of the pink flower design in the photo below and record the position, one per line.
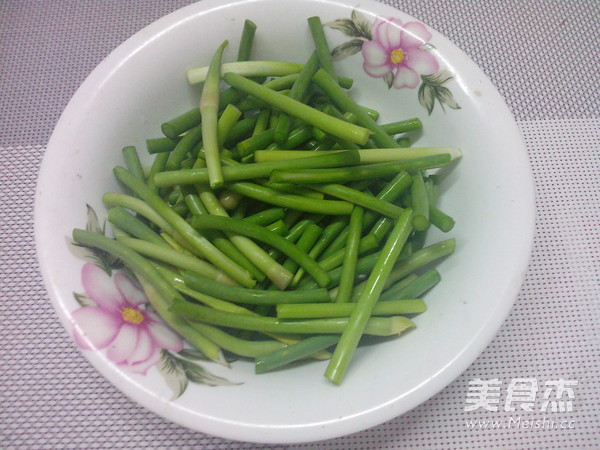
(132, 335)
(395, 51)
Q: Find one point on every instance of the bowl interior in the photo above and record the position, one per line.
(489, 193)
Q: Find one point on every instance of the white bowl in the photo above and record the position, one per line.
(489, 193)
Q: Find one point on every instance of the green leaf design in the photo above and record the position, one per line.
(192, 354)
(93, 224)
(83, 300)
(438, 79)
(432, 89)
(198, 374)
(346, 26)
(389, 79)
(362, 25)
(179, 372)
(445, 97)
(347, 49)
(102, 259)
(173, 372)
(426, 97)
(357, 26)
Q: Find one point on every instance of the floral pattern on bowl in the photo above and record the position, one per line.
(117, 320)
(399, 53)
(114, 316)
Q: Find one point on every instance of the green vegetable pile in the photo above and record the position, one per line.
(279, 221)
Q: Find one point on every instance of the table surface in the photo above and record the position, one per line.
(542, 56)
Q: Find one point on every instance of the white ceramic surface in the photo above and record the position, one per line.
(489, 193)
